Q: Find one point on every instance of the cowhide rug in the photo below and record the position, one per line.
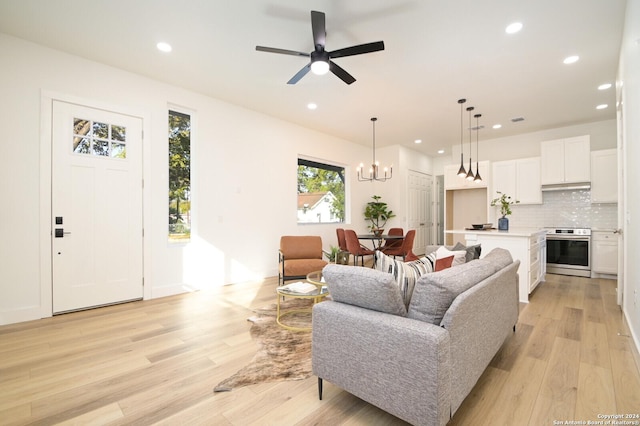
(282, 354)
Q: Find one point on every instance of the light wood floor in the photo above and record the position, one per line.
(156, 362)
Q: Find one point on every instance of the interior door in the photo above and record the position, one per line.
(96, 207)
(420, 209)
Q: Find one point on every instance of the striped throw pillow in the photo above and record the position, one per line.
(405, 273)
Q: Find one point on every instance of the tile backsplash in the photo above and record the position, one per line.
(565, 209)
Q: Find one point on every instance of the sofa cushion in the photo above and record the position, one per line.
(364, 287)
(405, 273)
(499, 257)
(459, 256)
(473, 252)
(301, 267)
(434, 293)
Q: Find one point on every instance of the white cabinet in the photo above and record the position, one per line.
(604, 176)
(565, 160)
(518, 178)
(527, 246)
(453, 181)
(604, 252)
(503, 178)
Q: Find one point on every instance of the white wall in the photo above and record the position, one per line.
(629, 94)
(244, 178)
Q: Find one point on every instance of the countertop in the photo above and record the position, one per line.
(512, 232)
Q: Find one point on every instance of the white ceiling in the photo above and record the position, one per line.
(436, 51)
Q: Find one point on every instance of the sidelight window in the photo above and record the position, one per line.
(179, 176)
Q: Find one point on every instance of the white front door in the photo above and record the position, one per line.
(420, 209)
(96, 217)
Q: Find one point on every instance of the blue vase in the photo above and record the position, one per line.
(503, 224)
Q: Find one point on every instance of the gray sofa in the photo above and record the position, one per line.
(417, 362)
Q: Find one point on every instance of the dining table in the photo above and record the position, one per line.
(378, 240)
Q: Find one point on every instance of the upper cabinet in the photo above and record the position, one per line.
(518, 178)
(604, 176)
(453, 181)
(565, 161)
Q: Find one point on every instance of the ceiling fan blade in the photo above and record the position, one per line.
(300, 74)
(341, 73)
(319, 29)
(357, 50)
(282, 51)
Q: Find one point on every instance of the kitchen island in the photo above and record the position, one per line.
(528, 245)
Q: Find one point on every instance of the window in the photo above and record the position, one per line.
(179, 176)
(99, 139)
(321, 195)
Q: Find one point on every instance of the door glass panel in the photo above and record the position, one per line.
(118, 133)
(81, 145)
(99, 139)
(100, 130)
(81, 126)
(101, 147)
(118, 150)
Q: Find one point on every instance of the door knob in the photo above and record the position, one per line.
(59, 233)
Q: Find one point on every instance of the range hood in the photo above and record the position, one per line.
(567, 186)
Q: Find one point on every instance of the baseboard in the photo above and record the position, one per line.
(171, 290)
(20, 315)
(635, 350)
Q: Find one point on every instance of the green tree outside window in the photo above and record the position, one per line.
(179, 176)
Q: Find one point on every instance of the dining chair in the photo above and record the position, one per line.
(406, 249)
(355, 248)
(342, 243)
(392, 244)
(344, 255)
(407, 246)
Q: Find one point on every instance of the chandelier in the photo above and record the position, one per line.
(461, 171)
(470, 176)
(478, 178)
(374, 170)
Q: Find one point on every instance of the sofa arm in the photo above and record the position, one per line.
(398, 364)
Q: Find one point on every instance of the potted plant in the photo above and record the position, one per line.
(505, 202)
(377, 213)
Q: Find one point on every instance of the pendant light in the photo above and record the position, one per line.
(470, 175)
(478, 178)
(461, 172)
(375, 165)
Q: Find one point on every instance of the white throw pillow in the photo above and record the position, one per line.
(459, 256)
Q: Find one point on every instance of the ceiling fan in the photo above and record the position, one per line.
(321, 61)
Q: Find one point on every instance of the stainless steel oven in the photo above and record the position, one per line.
(569, 251)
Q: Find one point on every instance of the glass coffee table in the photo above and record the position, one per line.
(313, 289)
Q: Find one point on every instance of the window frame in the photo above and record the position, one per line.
(333, 166)
(173, 110)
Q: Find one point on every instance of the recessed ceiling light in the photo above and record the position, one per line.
(418, 141)
(312, 106)
(604, 86)
(513, 28)
(602, 106)
(164, 47)
(441, 151)
(497, 126)
(571, 59)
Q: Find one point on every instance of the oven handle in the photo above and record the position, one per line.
(563, 238)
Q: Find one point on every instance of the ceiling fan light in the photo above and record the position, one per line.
(320, 67)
